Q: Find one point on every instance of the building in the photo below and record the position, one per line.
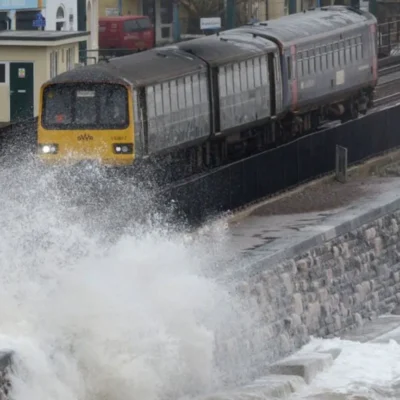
(61, 15)
(27, 60)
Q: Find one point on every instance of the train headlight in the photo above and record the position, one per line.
(48, 148)
(123, 148)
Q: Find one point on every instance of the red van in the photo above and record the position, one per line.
(126, 34)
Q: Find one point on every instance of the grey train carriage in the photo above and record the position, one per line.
(329, 61)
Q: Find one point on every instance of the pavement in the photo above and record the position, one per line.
(255, 237)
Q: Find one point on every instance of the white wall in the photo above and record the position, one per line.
(92, 24)
(50, 13)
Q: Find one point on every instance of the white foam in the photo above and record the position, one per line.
(367, 369)
(109, 316)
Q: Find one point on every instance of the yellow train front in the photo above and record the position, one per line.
(86, 115)
(126, 112)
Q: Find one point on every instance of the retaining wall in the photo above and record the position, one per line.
(332, 281)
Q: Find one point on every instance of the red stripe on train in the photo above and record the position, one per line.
(294, 88)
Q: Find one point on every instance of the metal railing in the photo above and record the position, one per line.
(389, 38)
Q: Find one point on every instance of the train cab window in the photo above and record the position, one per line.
(174, 96)
(236, 78)
(250, 73)
(166, 98)
(229, 79)
(85, 106)
(289, 68)
(113, 106)
(264, 71)
(348, 51)
(257, 72)
(196, 86)
(189, 92)
(300, 71)
(181, 94)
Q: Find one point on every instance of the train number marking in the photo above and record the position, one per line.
(119, 138)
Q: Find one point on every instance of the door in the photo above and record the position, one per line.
(21, 91)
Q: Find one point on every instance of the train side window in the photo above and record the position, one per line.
(229, 79)
(236, 78)
(353, 49)
(188, 92)
(151, 106)
(222, 81)
(317, 60)
(323, 59)
(330, 56)
(250, 73)
(335, 55)
(158, 99)
(306, 62)
(264, 71)
(299, 64)
(348, 51)
(277, 69)
(257, 72)
(327, 58)
(312, 62)
(166, 98)
(342, 59)
(174, 96)
(359, 48)
(181, 94)
(243, 76)
(203, 89)
(196, 88)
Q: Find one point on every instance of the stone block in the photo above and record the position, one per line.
(305, 365)
(270, 386)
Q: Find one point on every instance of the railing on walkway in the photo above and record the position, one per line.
(389, 38)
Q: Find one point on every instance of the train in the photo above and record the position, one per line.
(202, 103)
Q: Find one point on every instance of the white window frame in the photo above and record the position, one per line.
(53, 64)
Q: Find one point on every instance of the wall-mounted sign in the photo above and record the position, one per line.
(21, 72)
(20, 4)
(112, 12)
(210, 23)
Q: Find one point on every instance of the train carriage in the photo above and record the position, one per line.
(164, 105)
(245, 80)
(329, 61)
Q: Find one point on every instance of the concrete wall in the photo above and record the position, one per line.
(330, 282)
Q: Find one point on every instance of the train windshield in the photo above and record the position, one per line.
(85, 106)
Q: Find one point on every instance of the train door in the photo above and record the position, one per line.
(373, 41)
(272, 82)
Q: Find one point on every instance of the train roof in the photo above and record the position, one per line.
(140, 69)
(318, 21)
(222, 48)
